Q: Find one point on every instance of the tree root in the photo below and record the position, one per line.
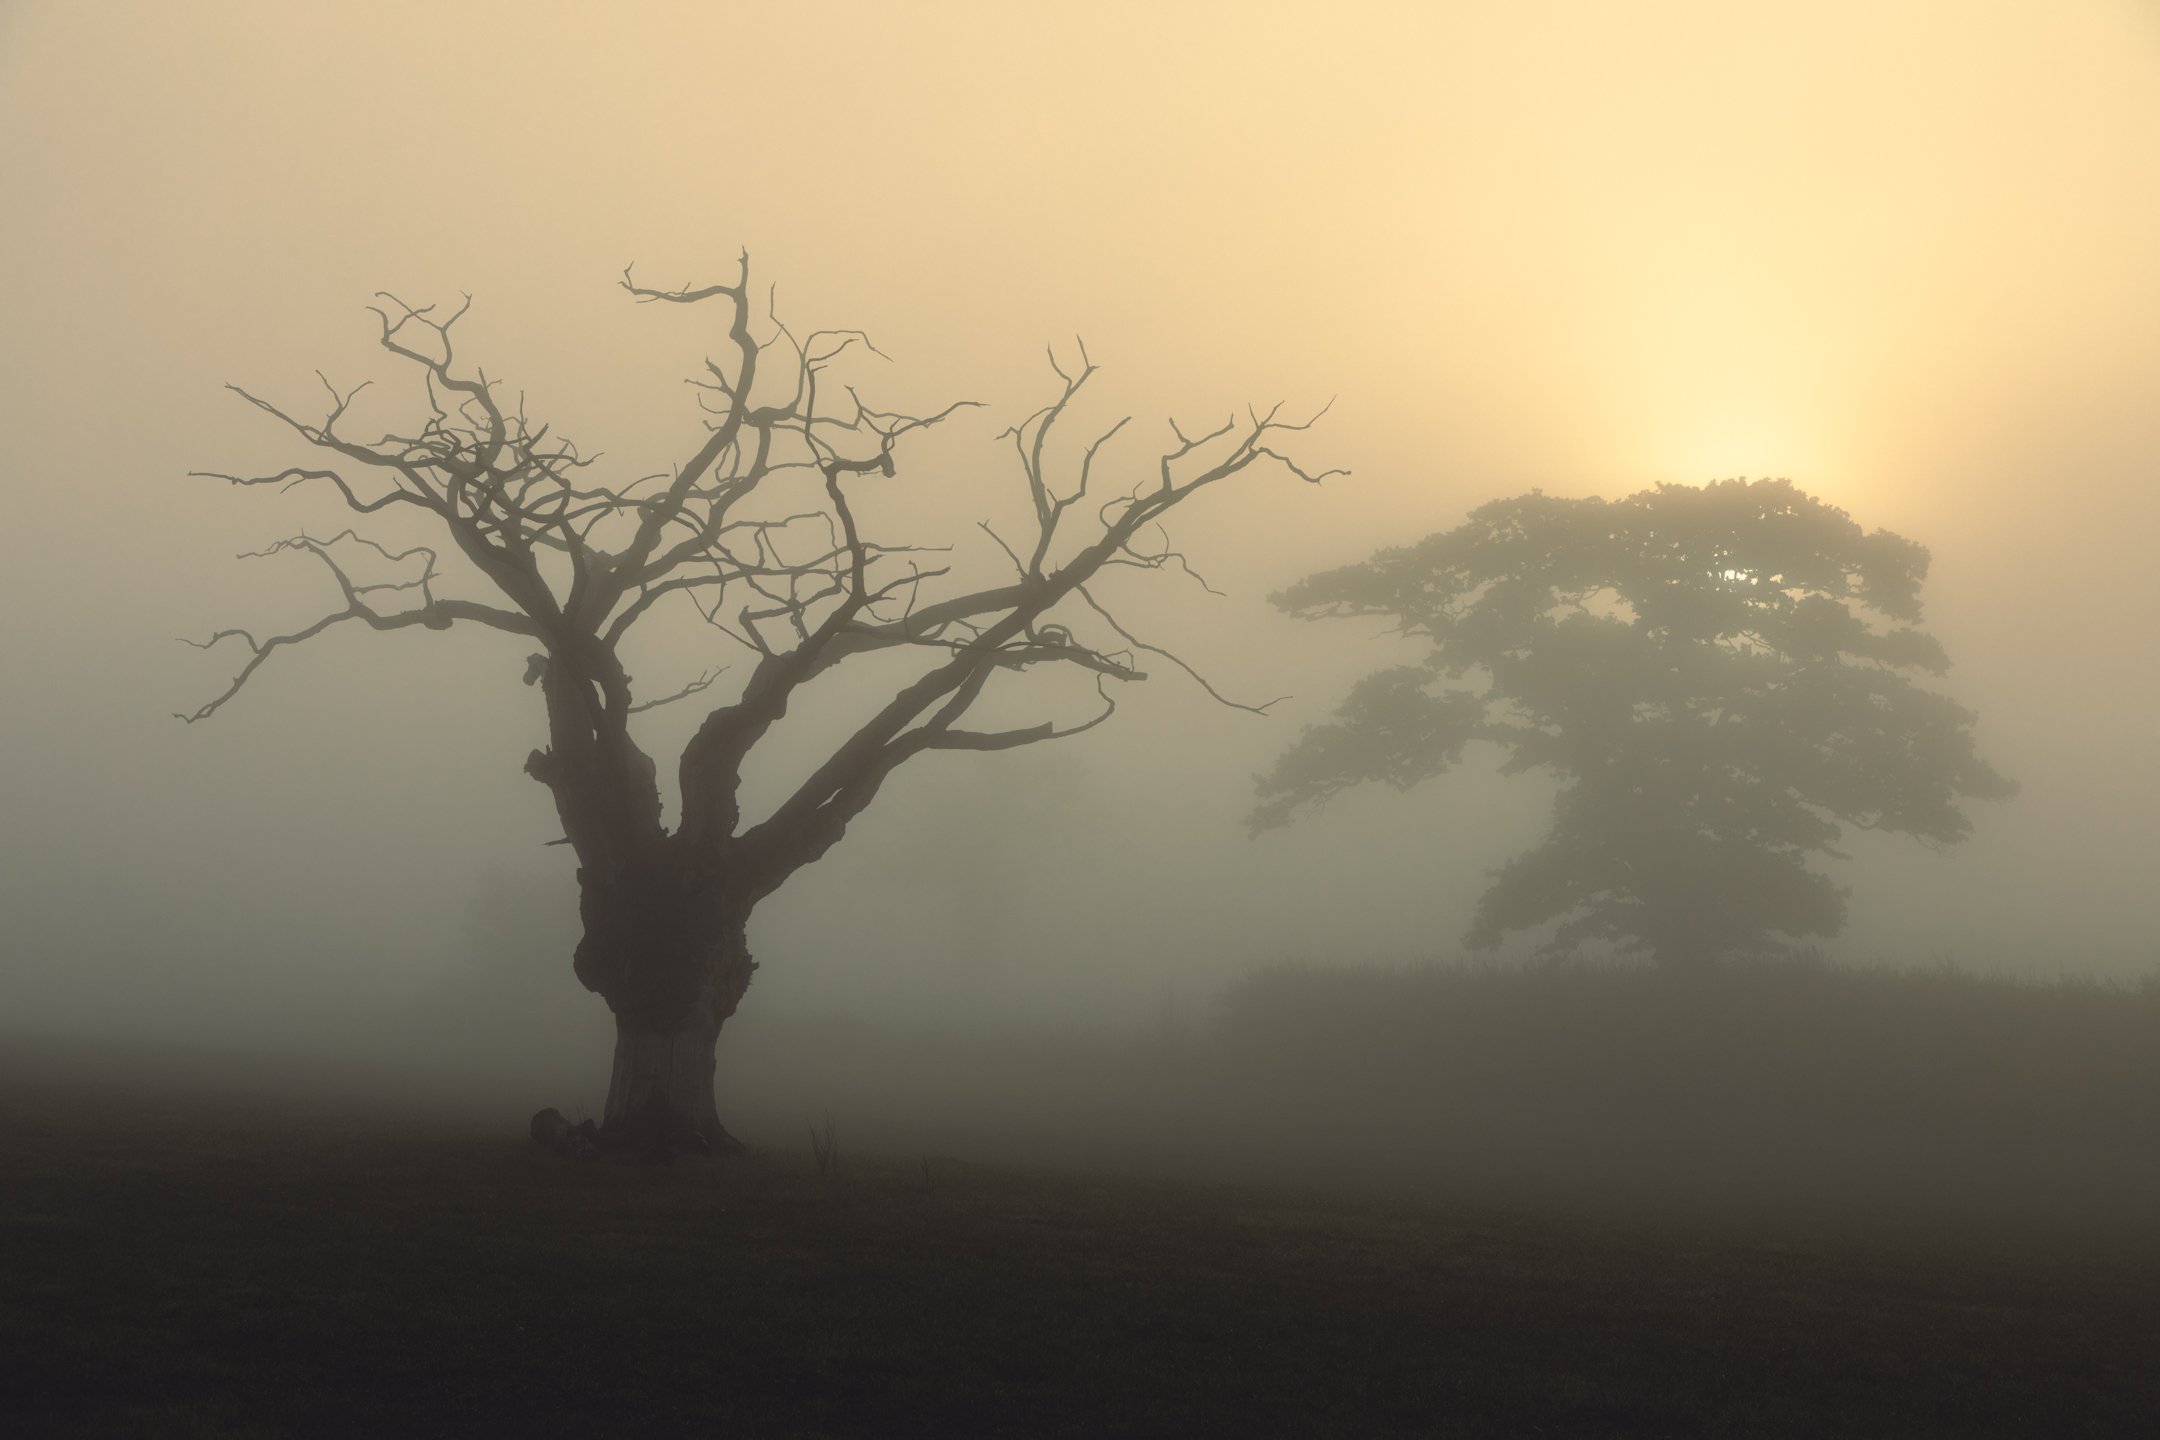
(552, 1130)
(657, 1133)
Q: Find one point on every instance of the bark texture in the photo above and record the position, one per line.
(673, 974)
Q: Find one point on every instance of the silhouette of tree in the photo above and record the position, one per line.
(1723, 678)
(754, 536)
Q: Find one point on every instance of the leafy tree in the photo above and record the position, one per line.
(751, 540)
(1722, 678)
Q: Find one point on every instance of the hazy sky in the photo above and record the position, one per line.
(1907, 254)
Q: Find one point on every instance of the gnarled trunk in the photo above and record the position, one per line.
(672, 964)
(660, 1092)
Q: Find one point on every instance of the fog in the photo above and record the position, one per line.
(1900, 254)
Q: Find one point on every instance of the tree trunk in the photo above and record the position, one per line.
(672, 967)
(660, 1093)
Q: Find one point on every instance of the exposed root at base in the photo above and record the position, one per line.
(659, 1132)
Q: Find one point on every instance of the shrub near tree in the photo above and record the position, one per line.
(1723, 679)
(752, 541)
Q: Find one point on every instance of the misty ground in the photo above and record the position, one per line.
(1790, 1200)
(181, 1269)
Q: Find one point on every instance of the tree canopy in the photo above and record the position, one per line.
(1722, 677)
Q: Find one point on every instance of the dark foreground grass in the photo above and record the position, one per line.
(168, 1267)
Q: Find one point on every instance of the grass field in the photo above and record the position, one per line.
(179, 1264)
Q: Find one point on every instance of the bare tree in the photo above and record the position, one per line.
(755, 532)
